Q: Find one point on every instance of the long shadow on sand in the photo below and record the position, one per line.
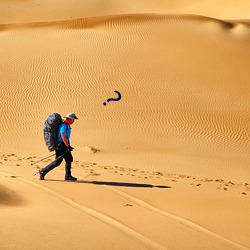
(114, 183)
(122, 184)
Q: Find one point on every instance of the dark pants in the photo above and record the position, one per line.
(67, 156)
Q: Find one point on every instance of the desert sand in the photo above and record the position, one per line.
(165, 167)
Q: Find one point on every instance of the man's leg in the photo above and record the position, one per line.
(68, 160)
(52, 165)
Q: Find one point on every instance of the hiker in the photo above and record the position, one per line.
(63, 149)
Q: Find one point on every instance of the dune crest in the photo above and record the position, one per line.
(110, 20)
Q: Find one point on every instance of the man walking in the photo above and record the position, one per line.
(63, 150)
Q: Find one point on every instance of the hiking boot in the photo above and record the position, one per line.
(41, 175)
(70, 178)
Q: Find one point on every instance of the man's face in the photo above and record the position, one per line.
(71, 121)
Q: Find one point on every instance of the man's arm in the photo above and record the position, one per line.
(66, 142)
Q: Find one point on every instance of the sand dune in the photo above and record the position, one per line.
(166, 167)
(192, 111)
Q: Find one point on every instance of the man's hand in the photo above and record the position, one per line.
(69, 148)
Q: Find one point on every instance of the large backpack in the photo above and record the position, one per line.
(50, 130)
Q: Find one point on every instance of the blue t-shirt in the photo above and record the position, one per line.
(64, 128)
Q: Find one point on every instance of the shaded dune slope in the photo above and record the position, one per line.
(9, 197)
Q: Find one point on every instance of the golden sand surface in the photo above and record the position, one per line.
(166, 166)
